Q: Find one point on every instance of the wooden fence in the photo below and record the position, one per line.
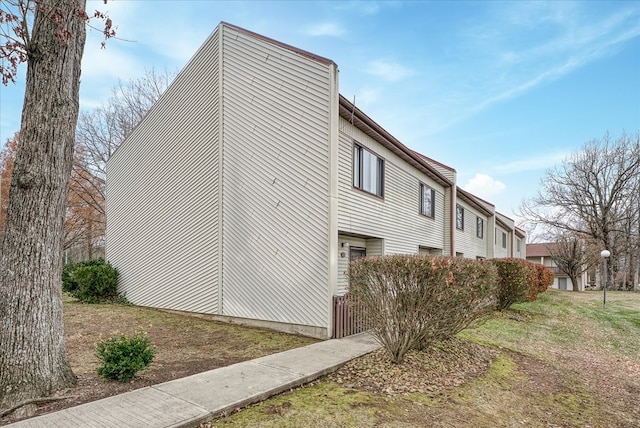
(348, 317)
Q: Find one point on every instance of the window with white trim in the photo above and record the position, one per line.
(504, 240)
(479, 227)
(427, 201)
(368, 171)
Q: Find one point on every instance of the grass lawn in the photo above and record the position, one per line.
(562, 361)
(184, 344)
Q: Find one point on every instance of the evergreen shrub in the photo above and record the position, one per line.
(92, 281)
(122, 357)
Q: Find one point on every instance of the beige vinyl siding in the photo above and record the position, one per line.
(499, 251)
(343, 260)
(276, 182)
(448, 221)
(395, 218)
(519, 254)
(467, 241)
(448, 173)
(162, 196)
(374, 247)
(491, 233)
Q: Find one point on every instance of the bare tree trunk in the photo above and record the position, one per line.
(32, 356)
(574, 283)
(89, 240)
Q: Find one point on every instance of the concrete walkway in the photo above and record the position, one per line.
(188, 401)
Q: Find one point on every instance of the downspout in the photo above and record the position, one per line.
(332, 181)
(452, 219)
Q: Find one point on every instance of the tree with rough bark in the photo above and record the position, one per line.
(593, 195)
(49, 35)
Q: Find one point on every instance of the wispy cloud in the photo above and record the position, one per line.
(332, 29)
(532, 163)
(526, 46)
(485, 186)
(389, 71)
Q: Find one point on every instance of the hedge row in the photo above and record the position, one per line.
(520, 281)
(413, 301)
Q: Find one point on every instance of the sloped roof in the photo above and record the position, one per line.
(474, 201)
(539, 250)
(294, 49)
(360, 120)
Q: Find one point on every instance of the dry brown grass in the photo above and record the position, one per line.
(185, 345)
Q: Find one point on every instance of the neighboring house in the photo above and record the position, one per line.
(539, 253)
(251, 184)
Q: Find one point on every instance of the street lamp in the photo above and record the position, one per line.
(605, 255)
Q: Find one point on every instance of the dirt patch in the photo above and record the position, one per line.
(185, 345)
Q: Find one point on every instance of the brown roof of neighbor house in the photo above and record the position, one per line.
(539, 250)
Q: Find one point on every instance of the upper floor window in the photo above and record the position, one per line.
(517, 245)
(479, 227)
(427, 201)
(459, 217)
(504, 240)
(368, 171)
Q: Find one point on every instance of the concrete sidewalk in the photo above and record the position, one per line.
(188, 401)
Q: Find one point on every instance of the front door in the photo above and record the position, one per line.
(356, 253)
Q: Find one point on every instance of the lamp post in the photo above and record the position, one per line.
(605, 255)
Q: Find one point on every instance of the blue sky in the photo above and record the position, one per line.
(500, 91)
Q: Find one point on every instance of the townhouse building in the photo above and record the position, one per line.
(251, 184)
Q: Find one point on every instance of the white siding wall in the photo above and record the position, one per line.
(467, 241)
(395, 218)
(162, 195)
(276, 182)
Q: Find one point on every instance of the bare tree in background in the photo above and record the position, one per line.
(593, 194)
(99, 133)
(573, 255)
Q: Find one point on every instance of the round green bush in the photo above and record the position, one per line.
(69, 284)
(91, 281)
(122, 357)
